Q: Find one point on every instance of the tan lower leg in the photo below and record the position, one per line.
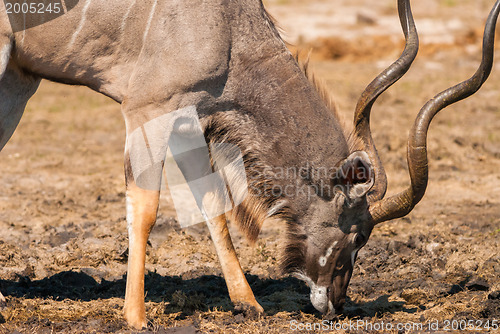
(142, 206)
(237, 285)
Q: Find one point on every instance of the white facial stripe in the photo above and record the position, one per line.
(329, 252)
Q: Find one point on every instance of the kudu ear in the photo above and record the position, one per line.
(355, 176)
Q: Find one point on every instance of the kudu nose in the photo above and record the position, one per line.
(319, 298)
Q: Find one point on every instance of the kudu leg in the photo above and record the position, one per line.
(239, 290)
(142, 206)
(15, 90)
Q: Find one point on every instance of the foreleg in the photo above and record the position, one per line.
(142, 206)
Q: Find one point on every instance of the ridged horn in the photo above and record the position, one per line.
(402, 203)
(380, 84)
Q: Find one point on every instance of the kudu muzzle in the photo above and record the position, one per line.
(331, 299)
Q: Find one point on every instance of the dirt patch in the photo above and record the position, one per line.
(356, 31)
(382, 47)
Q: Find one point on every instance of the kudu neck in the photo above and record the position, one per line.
(293, 122)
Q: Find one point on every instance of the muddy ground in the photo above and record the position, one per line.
(63, 235)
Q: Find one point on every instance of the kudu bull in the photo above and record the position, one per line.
(227, 60)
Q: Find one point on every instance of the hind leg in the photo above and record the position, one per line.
(15, 90)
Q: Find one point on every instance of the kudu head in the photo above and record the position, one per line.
(335, 233)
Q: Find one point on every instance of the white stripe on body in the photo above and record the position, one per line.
(148, 25)
(63, 3)
(127, 14)
(80, 25)
(4, 58)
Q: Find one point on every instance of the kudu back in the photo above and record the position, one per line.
(226, 61)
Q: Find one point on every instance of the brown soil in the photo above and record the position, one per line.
(62, 212)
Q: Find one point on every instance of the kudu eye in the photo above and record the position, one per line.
(359, 240)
